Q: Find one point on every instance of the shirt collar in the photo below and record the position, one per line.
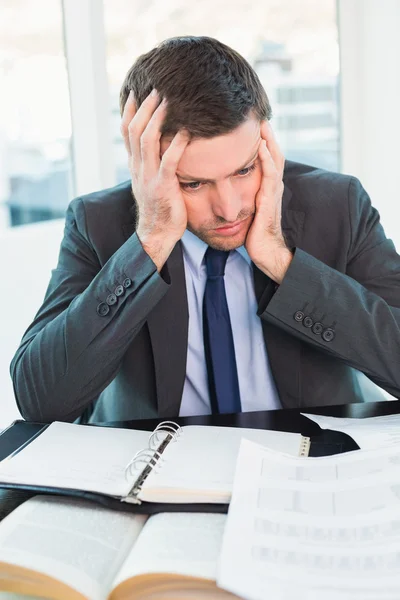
(243, 252)
(194, 249)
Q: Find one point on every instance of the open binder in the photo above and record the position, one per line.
(172, 468)
(152, 456)
(167, 470)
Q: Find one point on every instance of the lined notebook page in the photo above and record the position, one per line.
(200, 465)
(76, 457)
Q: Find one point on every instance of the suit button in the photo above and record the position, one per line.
(317, 328)
(308, 322)
(127, 282)
(298, 316)
(111, 299)
(119, 290)
(103, 309)
(328, 334)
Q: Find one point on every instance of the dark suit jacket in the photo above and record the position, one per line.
(130, 363)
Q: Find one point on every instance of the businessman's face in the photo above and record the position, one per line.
(220, 178)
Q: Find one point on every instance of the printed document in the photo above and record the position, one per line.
(326, 527)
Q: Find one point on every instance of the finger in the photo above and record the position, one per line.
(150, 140)
(127, 116)
(268, 166)
(271, 183)
(268, 135)
(173, 154)
(139, 123)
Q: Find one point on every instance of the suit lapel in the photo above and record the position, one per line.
(168, 325)
(283, 349)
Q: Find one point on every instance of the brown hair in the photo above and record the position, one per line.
(210, 88)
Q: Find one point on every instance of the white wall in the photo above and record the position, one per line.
(92, 138)
(28, 254)
(369, 102)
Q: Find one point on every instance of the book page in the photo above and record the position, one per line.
(76, 457)
(200, 465)
(181, 543)
(368, 433)
(326, 527)
(75, 541)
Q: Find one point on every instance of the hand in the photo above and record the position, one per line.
(265, 243)
(162, 216)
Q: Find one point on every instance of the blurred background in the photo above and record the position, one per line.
(330, 69)
(293, 45)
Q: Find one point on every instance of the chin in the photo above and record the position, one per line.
(226, 243)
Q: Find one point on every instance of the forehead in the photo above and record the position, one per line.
(216, 157)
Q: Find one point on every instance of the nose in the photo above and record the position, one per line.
(226, 202)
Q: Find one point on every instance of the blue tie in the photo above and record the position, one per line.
(218, 339)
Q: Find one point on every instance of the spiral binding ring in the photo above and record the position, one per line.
(172, 429)
(147, 456)
(152, 455)
(172, 423)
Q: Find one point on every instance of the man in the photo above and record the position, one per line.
(218, 278)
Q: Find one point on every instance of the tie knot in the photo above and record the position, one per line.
(215, 262)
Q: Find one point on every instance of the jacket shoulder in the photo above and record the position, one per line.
(104, 218)
(116, 200)
(301, 174)
(314, 188)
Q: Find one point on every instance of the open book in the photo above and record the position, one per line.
(193, 464)
(70, 549)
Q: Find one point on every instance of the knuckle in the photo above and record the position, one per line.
(144, 143)
(147, 135)
(165, 171)
(132, 128)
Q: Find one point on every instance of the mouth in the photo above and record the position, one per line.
(230, 229)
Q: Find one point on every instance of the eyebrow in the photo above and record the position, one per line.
(201, 180)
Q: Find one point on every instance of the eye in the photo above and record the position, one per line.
(196, 185)
(193, 185)
(247, 170)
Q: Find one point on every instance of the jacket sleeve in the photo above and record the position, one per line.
(354, 316)
(75, 345)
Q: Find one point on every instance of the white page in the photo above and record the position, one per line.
(182, 543)
(76, 457)
(74, 541)
(311, 537)
(202, 462)
(371, 432)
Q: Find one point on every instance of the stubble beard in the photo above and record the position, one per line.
(219, 242)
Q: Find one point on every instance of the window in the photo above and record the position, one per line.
(35, 128)
(293, 46)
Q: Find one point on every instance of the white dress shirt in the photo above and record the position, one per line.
(256, 384)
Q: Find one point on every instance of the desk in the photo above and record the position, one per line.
(278, 420)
